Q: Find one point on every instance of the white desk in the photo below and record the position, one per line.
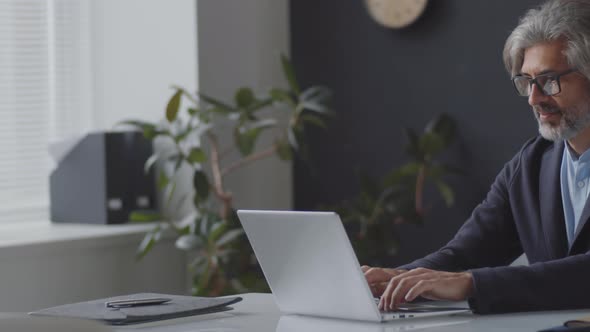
(258, 313)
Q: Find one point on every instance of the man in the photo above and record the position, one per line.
(537, 204)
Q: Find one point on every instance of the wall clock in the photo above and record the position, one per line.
(396, 13)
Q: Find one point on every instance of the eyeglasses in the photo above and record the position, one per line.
(548, 84)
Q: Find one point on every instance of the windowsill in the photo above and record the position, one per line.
(51, 264)
(45, 234)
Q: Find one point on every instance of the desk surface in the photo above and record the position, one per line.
(259, 313)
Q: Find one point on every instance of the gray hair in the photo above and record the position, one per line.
(553, 20)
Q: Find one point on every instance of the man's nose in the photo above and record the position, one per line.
(537, 96)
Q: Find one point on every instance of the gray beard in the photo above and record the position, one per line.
(573, 120)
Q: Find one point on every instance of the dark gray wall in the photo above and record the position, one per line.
(385, 80)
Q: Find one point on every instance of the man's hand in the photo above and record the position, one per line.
(430, 284)
(378, 278)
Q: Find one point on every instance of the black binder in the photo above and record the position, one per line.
(178, 306)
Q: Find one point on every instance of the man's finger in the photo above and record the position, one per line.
(364, 268)
(387, 293)
(420, 288)
(379, 274)
(410, 273)
(404, 285)
(378, 288)
(376, 275)
(453, 287)
(386, 297)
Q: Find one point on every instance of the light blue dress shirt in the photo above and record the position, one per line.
(575, 186)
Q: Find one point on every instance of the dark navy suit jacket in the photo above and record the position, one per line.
(522, 212)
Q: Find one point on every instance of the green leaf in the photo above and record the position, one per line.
(218, 110)
(217, 230)
(149, 163)
(198, 264)
(177, 160)
(410, 169)
(203, 226)
(282, 96)
(292, 138)
(134, 123)
(289, 73)
(148, 129)
(205, 117)
(436, 171)
(201, 184)
(144, 216)
(184, 230)
(284, 150)
(163, 180)
(148, 242)
(230, 236)
(395, 177)
(173, 106)
(446, 192)
(258, 105)
(183, 134)
(244, 97)
(245, 138)
(431, 143)
(224, 254)
(313, 119)
(247, 116)
(193, 111)
(315, 107)
(214, 259)
(220, 107)
(197, 155)
(316, 93)
(444, 126)
(316, 99)
(170, 192)
(188, 242)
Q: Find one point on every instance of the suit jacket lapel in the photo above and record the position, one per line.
(583, 221)
(551, 203)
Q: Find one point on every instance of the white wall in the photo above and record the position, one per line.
(49, 274)
(239, 45)
(140, 48)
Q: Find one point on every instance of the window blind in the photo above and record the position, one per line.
(44, 96)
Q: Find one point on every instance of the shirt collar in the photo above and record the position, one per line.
(584, 157)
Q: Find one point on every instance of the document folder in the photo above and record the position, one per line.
(178, 306)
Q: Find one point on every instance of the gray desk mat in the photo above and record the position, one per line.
(180, 306)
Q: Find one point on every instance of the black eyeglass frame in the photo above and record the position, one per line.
(534, 81)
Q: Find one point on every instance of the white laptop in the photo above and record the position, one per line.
(311, 268)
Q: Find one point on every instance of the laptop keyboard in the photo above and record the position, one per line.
(412, 308)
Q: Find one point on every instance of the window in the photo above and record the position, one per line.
(71, 66)
(44, 96)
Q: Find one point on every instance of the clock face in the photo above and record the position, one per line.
(396, 13)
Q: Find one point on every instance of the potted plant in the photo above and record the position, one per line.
(372, 216)
(223, 261)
